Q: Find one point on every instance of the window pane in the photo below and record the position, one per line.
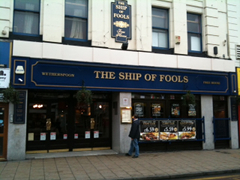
(159, 38)
(159, 18)
(26, 22)
(194, 42)
(32, 5)
(75, 28)
(193, 23)
(76, 8)
(1, 146)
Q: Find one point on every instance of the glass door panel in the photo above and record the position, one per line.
(3, 130)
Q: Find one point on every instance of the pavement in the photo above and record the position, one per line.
(112, 166)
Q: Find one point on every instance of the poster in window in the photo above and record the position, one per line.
(187, 129)
(191, 110)
(175, 110)
(149, 130)
(139, 109)
(168, 130)
(156, 109)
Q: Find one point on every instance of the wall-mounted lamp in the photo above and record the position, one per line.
(20, 79)
(124, 46)
(215, 50)
(3, 65)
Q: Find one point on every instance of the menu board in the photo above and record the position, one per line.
(168, 130)
(149, 130)
(187, 129)
(139, 109)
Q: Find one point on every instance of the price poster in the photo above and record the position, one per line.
(87, 134)
(64, 136)
(175, 110)
(75, 136)
(187, 129)
(96, 134)
(53, 136)
(149, 130)
(42, 136)
(168, 130)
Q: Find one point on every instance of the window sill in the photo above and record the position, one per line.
(28, 37)
(162, 50)
(79, 42)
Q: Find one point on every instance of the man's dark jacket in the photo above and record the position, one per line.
(135, 132)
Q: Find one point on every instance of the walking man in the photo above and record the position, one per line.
(134, 135)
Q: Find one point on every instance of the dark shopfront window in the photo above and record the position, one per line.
(164, 106)
(220, 110)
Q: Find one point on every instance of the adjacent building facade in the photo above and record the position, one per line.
(137, 57)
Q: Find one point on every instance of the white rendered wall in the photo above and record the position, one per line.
(233, 126)
(111, 56)
(16, 145)
(233, 17)
(5, 17)
(207, 112)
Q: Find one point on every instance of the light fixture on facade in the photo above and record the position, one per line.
(37, 106)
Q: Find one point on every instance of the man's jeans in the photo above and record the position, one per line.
(134, 145)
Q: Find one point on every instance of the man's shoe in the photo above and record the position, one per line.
(127, 154)
(135, 157)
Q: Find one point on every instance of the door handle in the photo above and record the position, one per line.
(92, 123)
(48, 124)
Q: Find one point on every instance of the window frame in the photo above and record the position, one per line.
(195, 33)
(24, 10)
(162, 29)
(81, 18)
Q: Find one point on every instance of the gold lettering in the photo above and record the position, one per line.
(147, 77)
(121, 16)
(174, 78)
(179, 79)
(168, 78)
(121, 76)
(154, 77)
(206, 82)
(97, 74)
(138, 76)
(111, 75)
(161, 77)
(128, 76)
(185, 79)
(104, 75)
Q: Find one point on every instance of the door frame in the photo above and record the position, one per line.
(5, 130)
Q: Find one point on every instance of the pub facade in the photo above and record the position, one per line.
(180, 83)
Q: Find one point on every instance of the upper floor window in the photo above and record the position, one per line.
(160, 28)
(26, 17)
(76, 14)
(194, 32)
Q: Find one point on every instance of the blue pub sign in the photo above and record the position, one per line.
(121, 18)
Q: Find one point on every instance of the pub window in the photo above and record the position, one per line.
(220, 107)
(76, 19)
(139, 109)
(26, 17)
(194, 32)
(160, 32)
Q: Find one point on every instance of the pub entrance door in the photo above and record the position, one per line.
(3, 130)
(56, 123)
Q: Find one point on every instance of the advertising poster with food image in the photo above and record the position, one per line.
(156, 108)
(149, 130)
(168, 130)
(187, 129)
(175, 110)
(191, 110)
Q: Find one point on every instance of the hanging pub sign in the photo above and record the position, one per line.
(121, 21)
